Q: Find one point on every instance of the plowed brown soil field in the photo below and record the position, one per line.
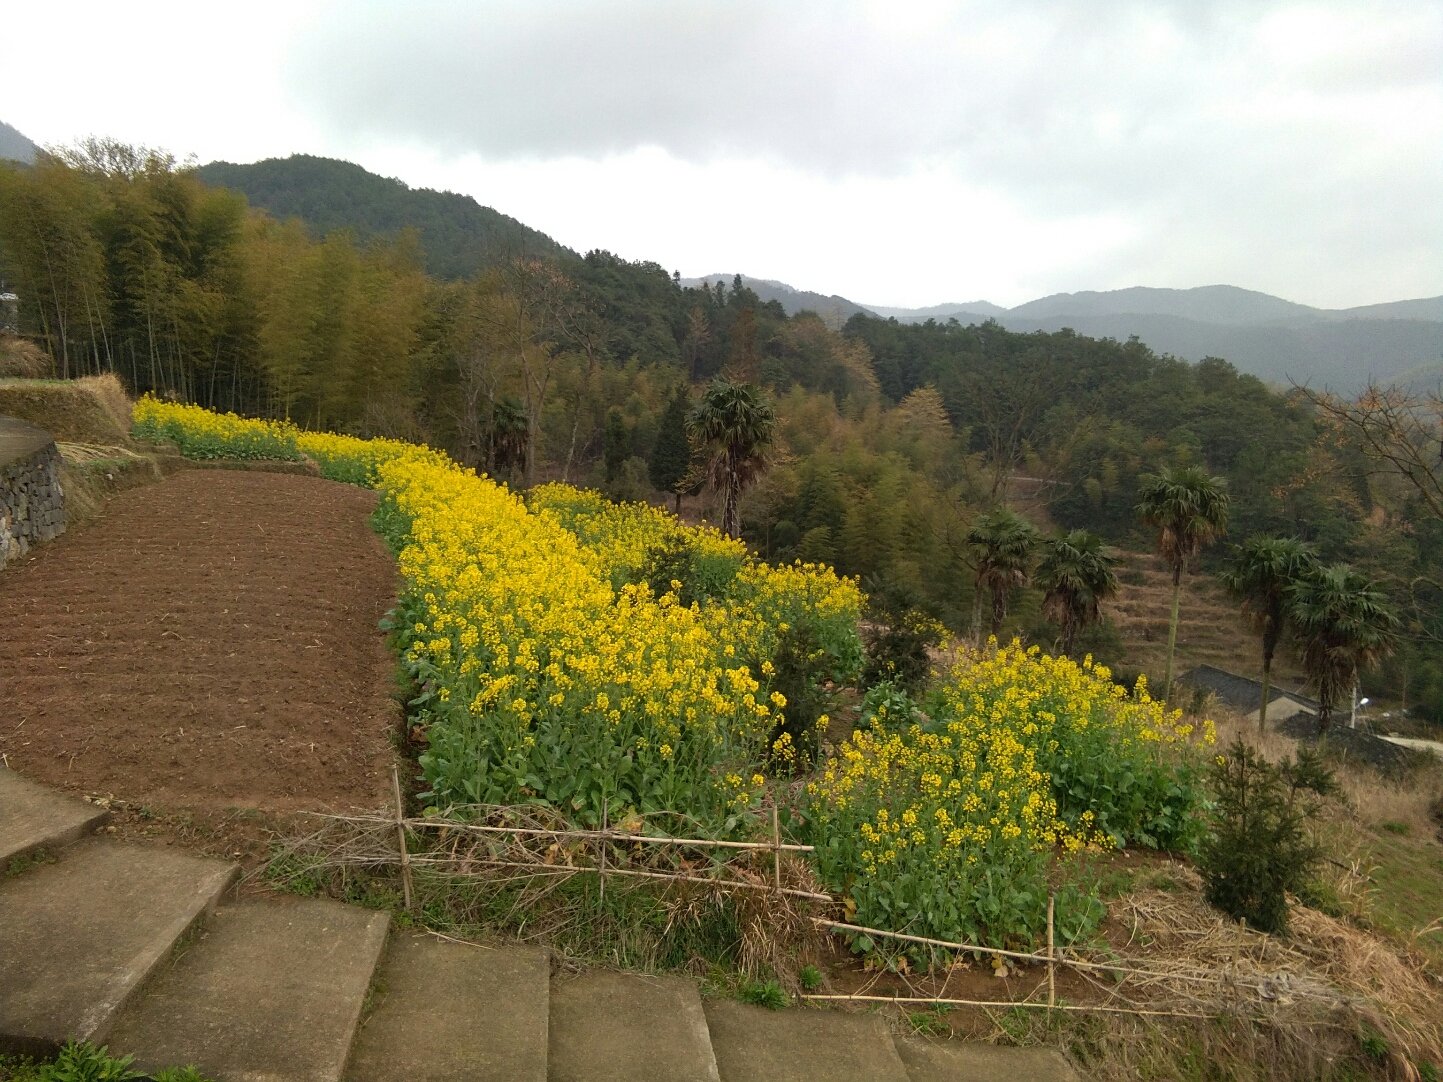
(210, 644)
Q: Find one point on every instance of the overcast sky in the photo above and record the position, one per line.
(895, 153)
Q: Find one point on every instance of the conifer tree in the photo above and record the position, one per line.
(671, 454)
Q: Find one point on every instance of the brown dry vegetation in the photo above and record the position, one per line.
(92, 410)
(23, 359)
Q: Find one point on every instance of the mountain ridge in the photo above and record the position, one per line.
(459, 236)
(1278, 340)
(1270, 337)
(15, 146)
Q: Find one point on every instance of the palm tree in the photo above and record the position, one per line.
(1345, 624)
(1076, 574)
(1261, 573)
(1002, 543)
(733, 423)
(1189, 508)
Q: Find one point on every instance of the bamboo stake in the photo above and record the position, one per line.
(571, 869)
(776, 849)
(1003, 1003)
(401, 836)
(435, 823)
(1051, 954)
(1075, 963)
(601, 864)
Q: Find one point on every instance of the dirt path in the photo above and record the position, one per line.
(210, 644)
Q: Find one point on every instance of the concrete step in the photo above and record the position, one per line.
(33, 817)
(801, 1045)
(270, 992)
(960, 1061)
(450, 1011)
(78, 937)
(628, 1027)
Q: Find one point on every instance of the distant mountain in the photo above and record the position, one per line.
(15, 147)
(968, 312)
(458, 236)
(1205, 304)
(1429, 308)
(1343, 354)
(1274, 339)
(1266, 336)
(833, 309)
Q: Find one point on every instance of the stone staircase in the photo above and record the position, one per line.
(143, 949)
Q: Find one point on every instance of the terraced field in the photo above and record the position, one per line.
(212, 643)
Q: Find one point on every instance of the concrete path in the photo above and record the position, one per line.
(494, 1027)
(801, 1045)
(79, 936)
(628, 1027)
(269, 991)
(32, 817)
(138, 948)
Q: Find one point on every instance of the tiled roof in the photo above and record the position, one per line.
(1238, 692)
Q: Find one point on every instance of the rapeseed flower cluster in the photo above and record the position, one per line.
(946, 825)
(199, 433)
(545, 680)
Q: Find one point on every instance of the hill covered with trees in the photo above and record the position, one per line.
(891, 443)
(457, 236)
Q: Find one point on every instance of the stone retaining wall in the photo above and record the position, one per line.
(32, 504)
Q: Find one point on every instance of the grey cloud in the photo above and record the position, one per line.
(1182, 113)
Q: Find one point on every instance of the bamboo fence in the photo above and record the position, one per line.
(532, 851)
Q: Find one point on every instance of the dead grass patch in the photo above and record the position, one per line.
(23, 359)
(92, 410)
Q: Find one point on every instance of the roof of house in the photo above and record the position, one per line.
(1239, 692)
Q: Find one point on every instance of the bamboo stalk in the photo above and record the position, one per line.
(572, 869)
(1075, 963)
(1051, 954)
(610, 835)
(1003, 1003)
(401, 836)
(776, 849)
(601, 864)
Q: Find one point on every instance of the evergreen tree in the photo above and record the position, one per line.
(671, 453)
(1345, 625)
(1190, 509)
(1002, 543)
(1076, 573)
(734, 425)
(1262, 571)
(616, 445)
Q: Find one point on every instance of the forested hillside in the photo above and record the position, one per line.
(458, 236)
(892, 442)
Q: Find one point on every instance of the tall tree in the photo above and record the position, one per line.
(670, 459)
(1263, 569)
(1076, 573)
(1002, 543)
(733, 424)
(1345, 624)
(1189, 508)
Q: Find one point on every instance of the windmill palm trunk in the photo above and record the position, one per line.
(1267, 686)
(1172, 630)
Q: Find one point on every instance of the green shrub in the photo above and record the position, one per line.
(1259, 849)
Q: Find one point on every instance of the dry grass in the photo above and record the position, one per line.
(20, 359)
(92, 410)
